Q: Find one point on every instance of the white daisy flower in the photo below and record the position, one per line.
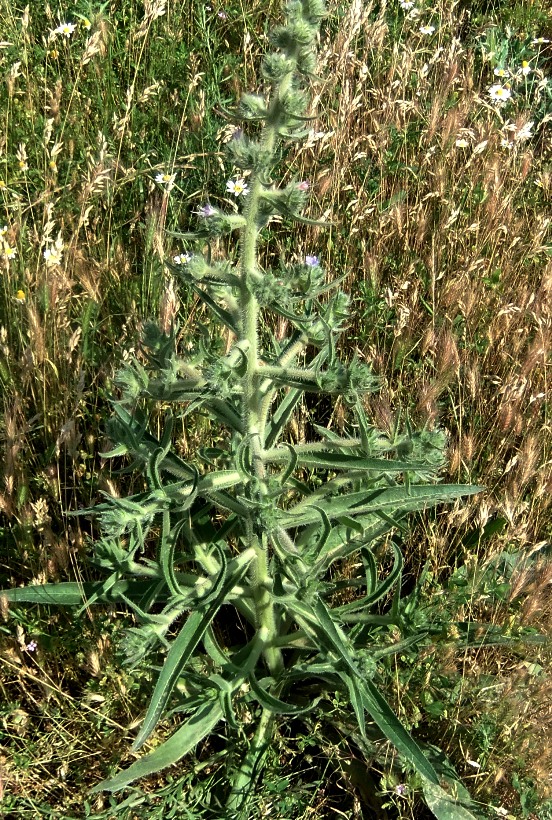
(182, 258)
(525, 68)
(406, 5)
(237, 187)
(166, 179)
(461, 142)
(426, 29)
(53, 254)
(501, 72)
(499, 93)
(66, 29)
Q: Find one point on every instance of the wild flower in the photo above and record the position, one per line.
(303, 186)
(205, 211)
(20, 296)
(9, 252)
(462, 142)
(66, 29)
(3, 231)
(426, 29)
(499, 93)
(525, 69)
(182, 258)
(501, 72)
(539, 41)
(312, 261)
(53, 254)
(32, 645)
(237, 187)
(166, 179)
(406, 5)
(400, 788)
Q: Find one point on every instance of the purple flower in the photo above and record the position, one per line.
(31, 646)
(312, 261)
(400, 789)
(304, 186)
(205, 211)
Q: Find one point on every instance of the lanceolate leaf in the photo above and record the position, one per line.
(380, 590)
(393, 499)
(274, 704)
(201, 724)
(184, 645)
(382, 714)
(445, 807)
(346, 461)
(71, 593)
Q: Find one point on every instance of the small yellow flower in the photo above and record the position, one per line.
(20, 296)
(52, 165)
(2, 184)
(23, 165)
(53, 53)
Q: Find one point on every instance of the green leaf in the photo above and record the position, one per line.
(384, 717)
(71, 593)
(380, 590)
(186, 642)
(443, 806)
(274, 704)
(281, 416)
(201, 724)
(393, 499)
(345, 461)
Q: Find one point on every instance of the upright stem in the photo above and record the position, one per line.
(253, 396)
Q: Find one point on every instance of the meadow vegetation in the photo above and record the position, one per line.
(430, 156)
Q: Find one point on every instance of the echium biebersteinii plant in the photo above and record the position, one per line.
(255, 530)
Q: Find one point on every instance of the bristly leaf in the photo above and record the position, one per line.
(184, 645)
(183, 741)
